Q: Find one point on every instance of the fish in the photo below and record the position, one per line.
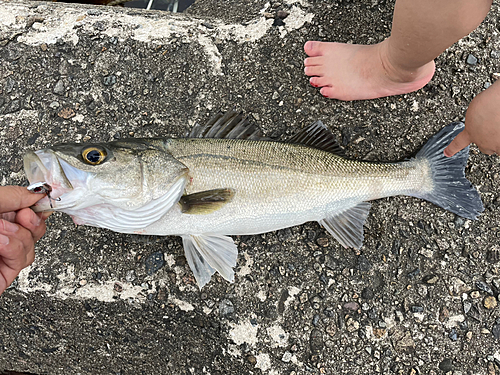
(225, 179)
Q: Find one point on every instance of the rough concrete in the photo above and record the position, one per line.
(412, 301)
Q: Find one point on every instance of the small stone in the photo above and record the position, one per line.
(446, 365)
(367, 293)
(379, 332)
(475, 294)
(472, 60)
(109, 80)
(226, 307)
(316, 341)
(322, 241)
(44, 47)
(495, 76)
(154, 262)
(287, 357)
(118, 288)
(495, 54)
(282, 14)
(453, 335)
(331, 329)
(54, 105)
(59, 88)
(444, 314)
(83, 282)
(490, 302)
(430, 279)
(251, 359)
(303, 298)
(486, 85)
(484, 287)
(66, 113)
(468, 335)
(496, 331)
(352, 325)
(457, 287)
(130, 276)
(352, 306)
(416, 309)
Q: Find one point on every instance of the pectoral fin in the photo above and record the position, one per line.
(205, 202)
(207, 254)
(347, 226)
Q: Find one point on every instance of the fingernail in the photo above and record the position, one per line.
(35, 220)
(10, 227)
(4, 240)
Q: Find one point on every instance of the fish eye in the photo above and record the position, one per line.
(94, 155)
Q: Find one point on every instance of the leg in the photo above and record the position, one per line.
(404, 62)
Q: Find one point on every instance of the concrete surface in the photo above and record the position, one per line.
(417, 299)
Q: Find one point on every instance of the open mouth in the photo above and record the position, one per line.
(45, 167)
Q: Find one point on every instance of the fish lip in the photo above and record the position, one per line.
(44, 166)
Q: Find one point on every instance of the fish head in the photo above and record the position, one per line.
(122, 175)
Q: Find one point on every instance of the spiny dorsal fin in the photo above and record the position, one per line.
(318, 136)
(347, 226)
(205, 202)
(230, 125)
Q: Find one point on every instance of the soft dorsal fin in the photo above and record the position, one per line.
(205, 202)
(318, 136)
(347, 226)
(230, 125)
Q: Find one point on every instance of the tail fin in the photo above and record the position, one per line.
(451, 189)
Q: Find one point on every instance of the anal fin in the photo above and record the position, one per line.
(209, 253)
(347, 226)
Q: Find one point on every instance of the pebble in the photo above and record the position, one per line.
(495, 54)
(430, 279)
(322, 241)
(472, 60)
(226, 307)
(59, 88)
(251, 359)
(367, 293)
(458, 287)
(446, 365)
(352, 306)
(154, 262)
(490, 302)
(316, 341)
(130, 276)
(475, 294)
(496, 331)
(484, 287)
(416, 309)
(54, 105)
(109, 80)
(287, 357)
(453, 335)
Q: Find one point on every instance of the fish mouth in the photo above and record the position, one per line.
(45, 166)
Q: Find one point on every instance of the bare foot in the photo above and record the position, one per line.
(358, 72)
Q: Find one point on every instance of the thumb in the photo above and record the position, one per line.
(461, 141)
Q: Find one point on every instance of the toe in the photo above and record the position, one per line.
(313, 70)
(313, 61)
(318, 81)
(313, 48)
(328, 92)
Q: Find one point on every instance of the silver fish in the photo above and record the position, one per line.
(225, 180)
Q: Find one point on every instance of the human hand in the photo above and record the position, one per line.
(482, 124)
(20, 228)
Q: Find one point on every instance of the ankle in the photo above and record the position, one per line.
(398, 72)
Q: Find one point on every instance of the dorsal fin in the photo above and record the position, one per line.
(317, 135)
(230, 125)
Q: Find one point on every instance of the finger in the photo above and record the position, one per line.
(32, 222)
(461, 141)
(9, 216)
(14, 198)
(13, 258)
(14, 231)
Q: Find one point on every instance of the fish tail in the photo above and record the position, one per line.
(448, 187)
